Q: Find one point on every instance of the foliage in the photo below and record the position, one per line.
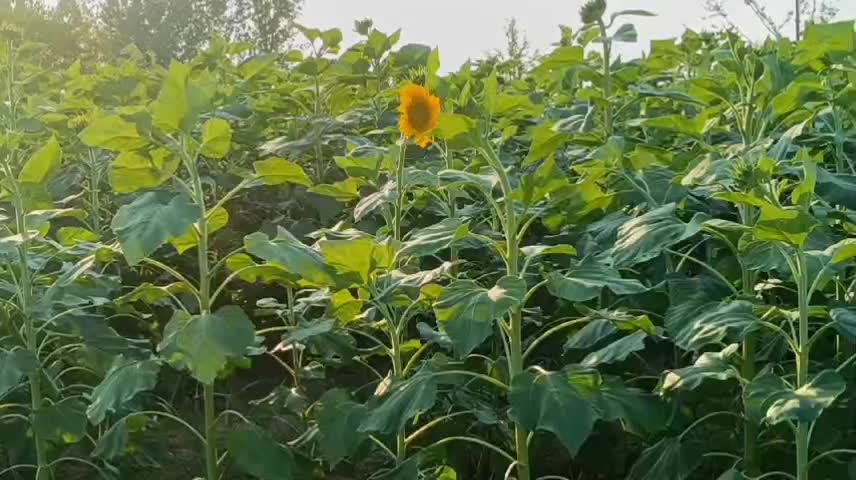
(242, 266)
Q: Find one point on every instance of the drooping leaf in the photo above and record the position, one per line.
(645, 236)
(205, 343)
(587, 279)
(64, 421)
(564, 403)
(125, 379)
(791, 226)
(768, 397)
(617, 351)
(430, 240)
(404, 400)
(278, 171)
(625, 33)
(131, 171)
(339, 419)
(357, 259)
(180, 101)
(845, 321)
(112, 133)
(100, 337)
(710, 365)
(344, 191)
(42, 164)
(14, 365)
(407, 470)
(150, 221)
(217, 219)
(291, 254)
(700, 315)
(216, 138)
(374, 202)
(467, 311)
(668, 459)
(591, 334)
(260, 456)
(114, 442)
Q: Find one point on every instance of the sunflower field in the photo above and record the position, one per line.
(340, 264)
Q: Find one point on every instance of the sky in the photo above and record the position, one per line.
(465, 29)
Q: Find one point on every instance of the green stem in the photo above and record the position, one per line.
(94, 197)
(803, 427)
(212, 469)
(25, 285)
(397, 371)
(515, 361)
(295, 352)
(750, 347)
(394, 334)
(399, 186)
(607, 78)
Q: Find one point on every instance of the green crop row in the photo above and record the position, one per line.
(340, 264)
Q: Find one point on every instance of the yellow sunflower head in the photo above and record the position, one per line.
(419, 114)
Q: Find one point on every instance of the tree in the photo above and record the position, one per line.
(178, 29)
(517, 56)
(268, 24)
(810, 11)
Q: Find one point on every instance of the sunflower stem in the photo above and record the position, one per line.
(515, 361)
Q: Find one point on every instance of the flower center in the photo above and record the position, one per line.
(419, 115)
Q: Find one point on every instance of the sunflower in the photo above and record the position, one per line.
(419, 114)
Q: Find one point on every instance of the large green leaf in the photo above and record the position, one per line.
(430, 240)
(617, 351)
(770, 397)
(591, 334)
(844, 320)
(339, 420)
(14, 364)
(42, 164)
(585, 281)
(668, 459)
(291, 254)
(134, 170)
(405, 399)
(569, 402)
(837, 189)
(710, 365)
(698, 315)
(682, 124)
(64, 421)
(278, 171)
(791, 226)
(150, 221)
(822, 39)
(99, 337)
(112, 133)
(125, 379)
(467, 311)
(375, 202)
(645, 236)
(216, 138)
(564, 403)
(205, 343)
(180, 101)
(407, 470)
(259, 455)
(356, 260)
(216, 220)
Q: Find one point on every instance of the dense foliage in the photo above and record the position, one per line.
(343, 265)
(91, 30)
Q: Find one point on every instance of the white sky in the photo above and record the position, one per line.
(465, 29)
